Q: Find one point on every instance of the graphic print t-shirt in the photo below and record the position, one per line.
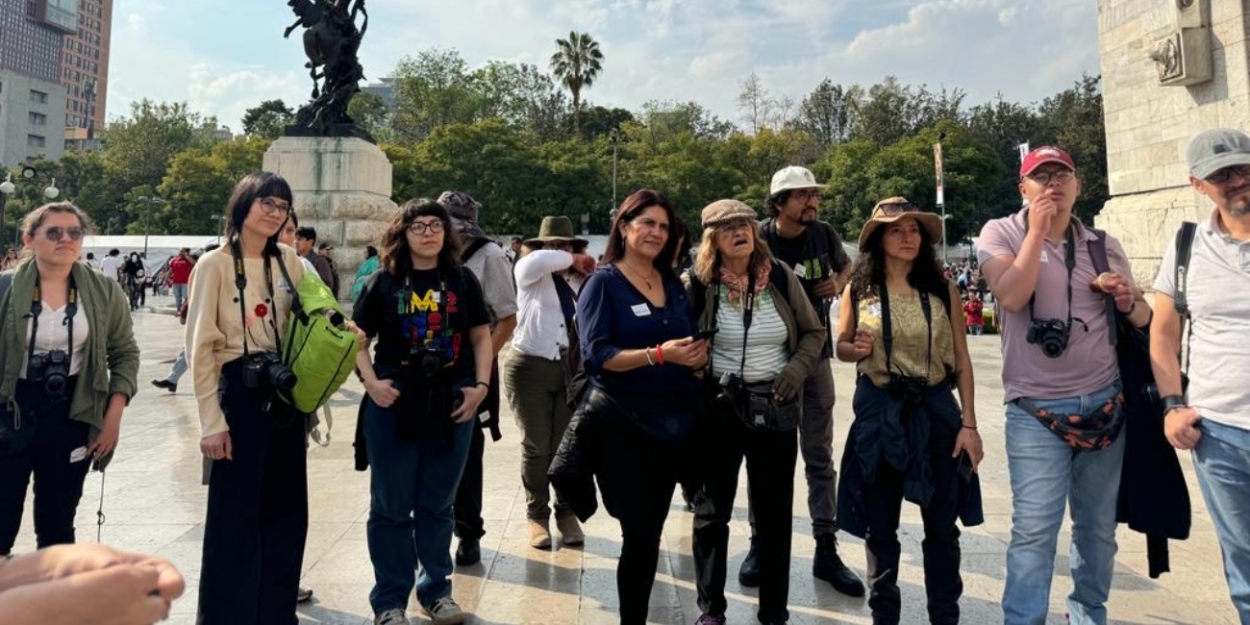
(428, 310)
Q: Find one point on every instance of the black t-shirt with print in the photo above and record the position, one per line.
(814, 255)
(430, 309)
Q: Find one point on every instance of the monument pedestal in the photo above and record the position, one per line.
(342, 187)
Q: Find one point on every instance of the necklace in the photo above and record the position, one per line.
(645, 279)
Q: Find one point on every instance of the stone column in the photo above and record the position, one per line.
(1196, 80)
(342, 187)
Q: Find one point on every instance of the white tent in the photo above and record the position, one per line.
(160, 248)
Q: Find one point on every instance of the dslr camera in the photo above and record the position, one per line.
(428, 360)
(266, 370)
(911, 388)
(52, 369)
(1051, 335)
(732, 390)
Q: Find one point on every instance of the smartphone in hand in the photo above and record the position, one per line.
(705, 334)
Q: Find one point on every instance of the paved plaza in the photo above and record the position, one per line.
(154, 503)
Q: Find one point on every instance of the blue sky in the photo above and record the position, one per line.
(223, 61)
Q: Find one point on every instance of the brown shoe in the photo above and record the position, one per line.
(570, 531)
(540, 535)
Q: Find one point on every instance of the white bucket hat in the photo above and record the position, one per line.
(793, 177)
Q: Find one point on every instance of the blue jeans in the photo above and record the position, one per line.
(180, 294)
(413, 489)
(1045, 473)
(179, 368)
(1222, 460)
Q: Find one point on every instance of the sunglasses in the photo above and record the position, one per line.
(894, 210)
(1222, 176)
(56, 233)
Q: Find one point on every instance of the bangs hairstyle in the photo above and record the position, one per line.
(252, 187)
(35, 218)
(395, 255)
(868, 274)
(708, 261)
(630, 209)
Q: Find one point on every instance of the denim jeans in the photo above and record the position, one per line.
(1222, 460)
(180, 294)
(1045, 473)
(179, 368)
(413, 488)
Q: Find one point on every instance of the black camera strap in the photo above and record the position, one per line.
(1069, 261)
(240, 282)
(36, 309)
(887, 329)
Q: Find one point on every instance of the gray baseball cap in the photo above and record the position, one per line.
(1214, 150)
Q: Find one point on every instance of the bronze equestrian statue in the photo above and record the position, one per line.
(332, 43)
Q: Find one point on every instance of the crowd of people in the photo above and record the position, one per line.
(651, 369)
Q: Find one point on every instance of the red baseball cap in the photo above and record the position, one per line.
(1043, 155)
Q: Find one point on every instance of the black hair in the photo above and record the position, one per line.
(252, 187)
(868, 274)
(393, 245)
(630, 209)
(773, 203)
(307, 232)
(370, 251)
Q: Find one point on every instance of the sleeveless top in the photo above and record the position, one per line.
(911, 334)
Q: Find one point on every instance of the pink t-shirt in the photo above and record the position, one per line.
(1089, 364)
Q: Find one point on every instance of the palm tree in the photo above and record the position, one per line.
(576, 63)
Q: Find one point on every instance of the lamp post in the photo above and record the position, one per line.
(945, 243)
(7, 188)
(614, 137)
(147, 220)
(219, 227)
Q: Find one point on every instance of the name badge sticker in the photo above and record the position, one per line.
(874, 309)
(1045, 257)
(78, 455)
(641, 310)
(800, 270)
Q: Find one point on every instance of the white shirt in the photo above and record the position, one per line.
(110, 265)
(766, 347)
(540, 327)
(54, 334)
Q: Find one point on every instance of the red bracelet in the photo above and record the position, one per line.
(659, 353)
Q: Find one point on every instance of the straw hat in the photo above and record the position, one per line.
(892, 209)
(559, 228)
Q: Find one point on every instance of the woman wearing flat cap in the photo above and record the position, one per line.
(902, 323)
(768, 340)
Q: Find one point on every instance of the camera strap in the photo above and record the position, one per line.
(36, 309)
(240, 282)
(1069, 261)
(887, 329)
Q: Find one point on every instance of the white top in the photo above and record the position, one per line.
(767, 351)
(1219, 278)
(110, 266)
(54, 334)
(540, 327)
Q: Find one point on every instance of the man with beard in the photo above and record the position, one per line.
(814, 250)
(1212, 419)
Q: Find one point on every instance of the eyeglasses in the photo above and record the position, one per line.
(56, 233)
(1062, 176)
(558, 245)
(733, 224)
(894, 210)
(1222, 176)
(422, 227)
(270, 205)
(804, 196)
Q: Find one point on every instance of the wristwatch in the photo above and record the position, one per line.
(1172, 402)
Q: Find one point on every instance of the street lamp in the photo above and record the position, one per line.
(219, 227)
(147, 220)
(7, 188)
(945, 243)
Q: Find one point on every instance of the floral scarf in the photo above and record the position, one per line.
(737, 284)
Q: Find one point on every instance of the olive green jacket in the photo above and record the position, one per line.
(111, 362)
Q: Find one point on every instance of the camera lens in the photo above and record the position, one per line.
(54, 385)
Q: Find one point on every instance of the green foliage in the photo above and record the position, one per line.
(268, 120)
(371, 113)
(576, 64)
(140, 148)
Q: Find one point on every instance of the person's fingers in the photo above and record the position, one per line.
(227, 449)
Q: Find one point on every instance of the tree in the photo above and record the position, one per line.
(371, 113)
(268, 120)
(523, 96)
(138, 149)
(1073, 120)
(432, 90)
(575, 64)
(754, 104)
(824, 114)
(598, 120)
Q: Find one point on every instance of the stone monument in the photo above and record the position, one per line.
(340, 179)
(1170, 69)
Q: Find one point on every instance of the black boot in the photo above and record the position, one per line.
(827, 565)
(749, 574)
(469, 552)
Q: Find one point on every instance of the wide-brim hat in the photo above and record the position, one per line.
(892, 209)
(558, 228)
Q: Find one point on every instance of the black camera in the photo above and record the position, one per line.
(266, 370)
(910, 388)
(732, 390)
(428, 360)
(52, 369)
(1051, 335)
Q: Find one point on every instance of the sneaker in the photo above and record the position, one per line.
(571, 533)
(469, 552)
(303, 595)
(828, 566)
(749, 574)
(711, 619)
(445, 611)
(165, 384)
(540, 535)
(394, 616)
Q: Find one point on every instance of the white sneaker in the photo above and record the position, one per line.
(394, 616)
(445, 611)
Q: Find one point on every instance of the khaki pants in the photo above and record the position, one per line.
(537, 394)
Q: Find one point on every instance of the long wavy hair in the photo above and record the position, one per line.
(868, 274)
(707, 262)
(252, 187)
(630, 209)
(395, 255)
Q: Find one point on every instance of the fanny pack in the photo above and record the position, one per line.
(1089, 432)
(763, 412)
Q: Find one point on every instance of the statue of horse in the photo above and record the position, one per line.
(330, 33)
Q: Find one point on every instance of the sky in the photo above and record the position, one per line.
(224, 61)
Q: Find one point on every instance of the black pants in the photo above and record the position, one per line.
(883, 500)
(469, 524)
(770, 458)
(58, 482)
(257, 512)
(637, 484)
